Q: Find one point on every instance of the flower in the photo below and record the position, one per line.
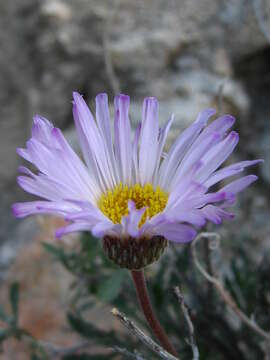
(128, 188)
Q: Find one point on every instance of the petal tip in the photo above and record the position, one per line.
(204, 116)
(20, 151)
(36, 119)
(102, 96)
(150, 99)
(193, 234)
(15, 211)
(59, 233)
(75, 94)
(77, 98)
(122, 98)
(230, 119)
(234, 135)
(253, 178)
(19, 180)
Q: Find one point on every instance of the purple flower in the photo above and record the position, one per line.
(127, 186)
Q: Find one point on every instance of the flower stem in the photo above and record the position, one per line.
(144, 300)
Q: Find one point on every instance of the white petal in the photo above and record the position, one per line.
(180, 147)
(217, 155)
(123, 146)
(176, 232)
(148, 140)
(92, 143)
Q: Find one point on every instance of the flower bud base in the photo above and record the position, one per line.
(134, 254)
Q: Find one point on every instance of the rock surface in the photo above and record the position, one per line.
(179, 51)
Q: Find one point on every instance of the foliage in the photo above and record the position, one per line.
(219, 334)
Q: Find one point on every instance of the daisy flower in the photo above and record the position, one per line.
(128, 191)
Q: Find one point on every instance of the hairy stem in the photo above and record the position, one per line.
(144, 300)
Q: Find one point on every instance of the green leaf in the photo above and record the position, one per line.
(35, 357)
(70, 260)
(14, 300)
(3, 316)
(88, 330)
(87, 236)
(83, 327)
(54, 250)
(4, 333)
(111, 287)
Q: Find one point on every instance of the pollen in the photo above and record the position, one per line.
(114, 203)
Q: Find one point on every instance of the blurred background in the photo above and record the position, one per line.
(190, 54)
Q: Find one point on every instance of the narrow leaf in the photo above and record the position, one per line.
(14, 299)
(111, 288)
(3, 316)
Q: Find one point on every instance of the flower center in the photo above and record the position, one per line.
(114, 203)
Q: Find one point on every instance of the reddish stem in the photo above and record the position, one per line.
(144, 300)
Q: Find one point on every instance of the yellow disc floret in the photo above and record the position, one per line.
(114, 203)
